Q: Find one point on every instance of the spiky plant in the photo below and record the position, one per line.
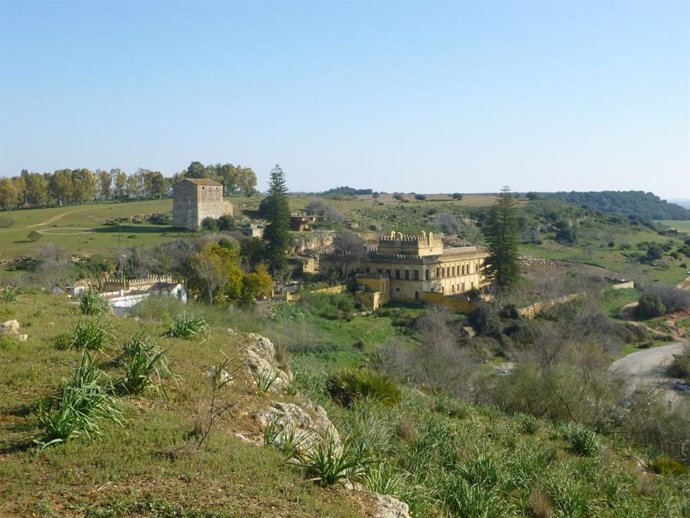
(82, 404)
(90, 335)
(93, 303)
(327, 463)
(189, 326)
(143, 361)
(9, 294)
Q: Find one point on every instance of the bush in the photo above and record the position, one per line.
(680, 367)
(649, 306)
(327, 463)
(420, 197)
(92, 303)
(6, 222)
(34, 236)
(350, 385)
(188, 326)
(209, 225)
(665, 465)
(457, 196)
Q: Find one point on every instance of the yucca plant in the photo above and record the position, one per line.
(327, 463)
(264, 379)
(82, 403)
(93, 303)
(90, 335)
(583, 441)
(143, 361)
(9, 294)
(349, 385)
(188, 326)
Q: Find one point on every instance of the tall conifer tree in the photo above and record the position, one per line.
(278, 215)
(501, 231)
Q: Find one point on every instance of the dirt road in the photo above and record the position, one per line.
(646, 368)
(53, 219)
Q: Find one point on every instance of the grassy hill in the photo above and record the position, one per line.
(444, 457)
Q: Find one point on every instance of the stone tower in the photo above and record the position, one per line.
(195, 199)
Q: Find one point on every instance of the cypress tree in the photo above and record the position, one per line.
(278, 215)
(501, 231)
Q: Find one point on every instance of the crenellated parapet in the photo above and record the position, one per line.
(419, 245)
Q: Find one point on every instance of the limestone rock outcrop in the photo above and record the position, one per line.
(10, 327)
(265, 365)
(300, 428)
(390, 507)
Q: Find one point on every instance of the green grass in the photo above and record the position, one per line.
(679, 225)
(614, 300)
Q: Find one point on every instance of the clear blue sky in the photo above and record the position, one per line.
(424, 96)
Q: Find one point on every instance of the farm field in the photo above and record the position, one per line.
(679, 225)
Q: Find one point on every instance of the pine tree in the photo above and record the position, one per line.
(278, 215)
(501, 231)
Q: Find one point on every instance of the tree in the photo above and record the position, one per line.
(36, 189)
(278, 215)
(60, 186)
(8, 194)
(351, 250)
(105, 183)
(501, 231)
(256, 284)
(119, 182)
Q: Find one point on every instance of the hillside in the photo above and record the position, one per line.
(442, 456)
(631, 203)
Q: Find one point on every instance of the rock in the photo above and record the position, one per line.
(10, 327)
(292, 427)
(22, 338)
(390, 507)
(263, 364)
(225, 377)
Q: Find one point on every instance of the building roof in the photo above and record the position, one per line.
(202, 181)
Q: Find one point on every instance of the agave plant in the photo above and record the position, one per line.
(188, 326)
(90, 335)
(83, 402)
(9, 294)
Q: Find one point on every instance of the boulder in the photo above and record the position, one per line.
(262, 362)
(390, 507)
(10, 327)
(22, 338)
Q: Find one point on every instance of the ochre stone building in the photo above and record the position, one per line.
(406, 267)
(195, 199)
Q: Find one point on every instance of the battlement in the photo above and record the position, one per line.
(421, 244)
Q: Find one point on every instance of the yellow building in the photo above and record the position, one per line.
(416, 264)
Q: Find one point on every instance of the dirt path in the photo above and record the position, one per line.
(646, 368)
(53, 219)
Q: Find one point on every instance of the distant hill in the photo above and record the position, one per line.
(637, 203)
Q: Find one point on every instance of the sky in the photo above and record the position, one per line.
(393, 95)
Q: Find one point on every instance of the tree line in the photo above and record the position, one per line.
(636, 203)
(76, 186)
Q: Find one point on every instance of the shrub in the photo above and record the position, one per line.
(89, 335)
(209, 224)
(420, 197)
(92, 303)
(457, 196)
(349, 385)
(6, 222)
(665, 465)
(680, 367)
(188, 326)
(83, 402)
(34, 236)
(649, 306)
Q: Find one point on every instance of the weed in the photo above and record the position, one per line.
(93, 303)
(188, 326)
(219, 377)
(467, 500)
(529, 424)
(382, 479)
(665, 465)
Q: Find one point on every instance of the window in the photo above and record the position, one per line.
(416, 275)
(407, 275)
(426, 274)
(397, 274)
